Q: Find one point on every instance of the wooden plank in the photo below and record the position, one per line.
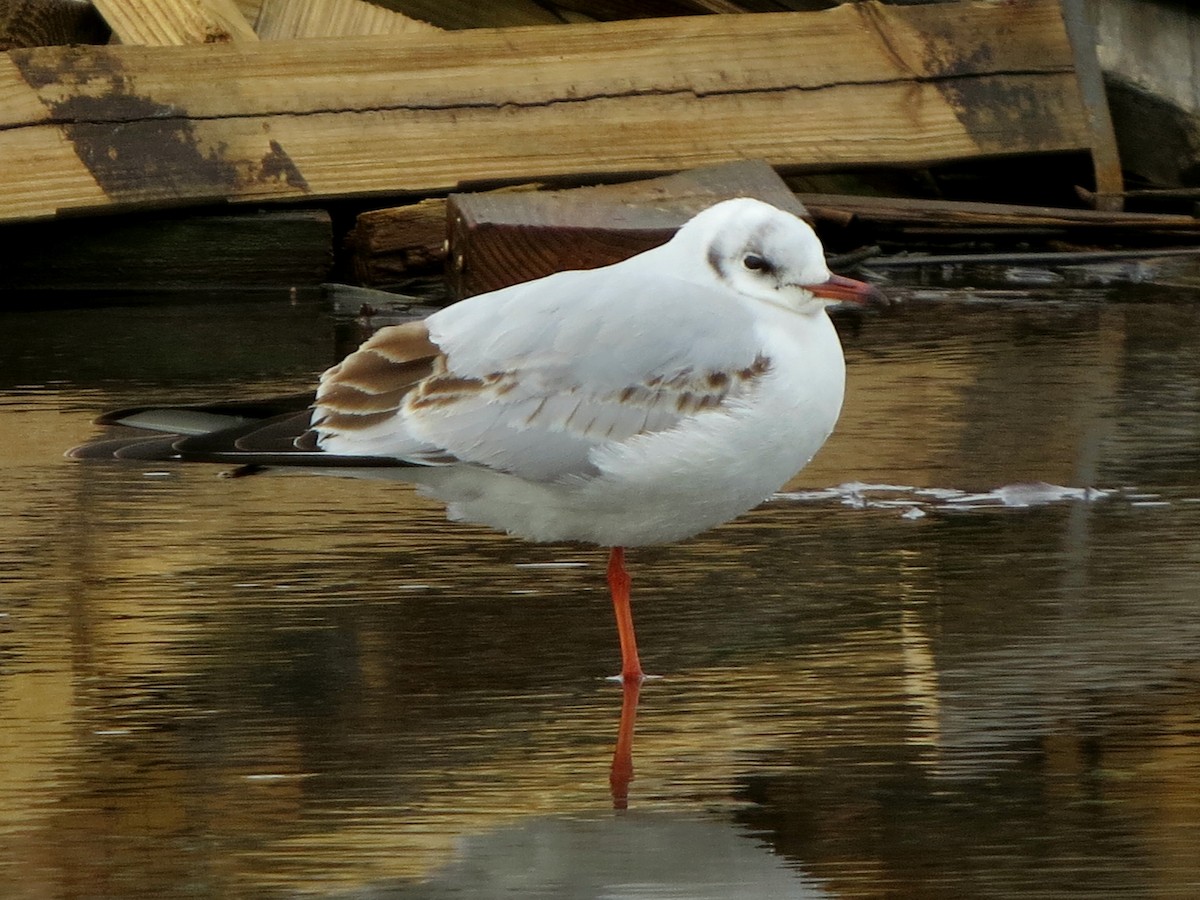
(1105, 160)
(233, 253)
(175, 22)
(864, 84)
(906, 211)
(398, 242)
(1051, 259)
(503, 238)
(284, 19)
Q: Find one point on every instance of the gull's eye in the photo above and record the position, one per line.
(755, 263)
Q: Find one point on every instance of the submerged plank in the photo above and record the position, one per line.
(864, 84)
(210, 253)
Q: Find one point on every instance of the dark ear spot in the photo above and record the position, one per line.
(715, 262)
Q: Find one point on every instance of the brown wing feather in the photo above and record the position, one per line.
(372, 383)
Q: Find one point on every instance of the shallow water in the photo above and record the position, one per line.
(958, 656)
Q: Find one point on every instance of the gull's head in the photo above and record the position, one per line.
(764, 253)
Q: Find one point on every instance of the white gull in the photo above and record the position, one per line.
(634, 404)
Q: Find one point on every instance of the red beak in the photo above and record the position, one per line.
(848, 290)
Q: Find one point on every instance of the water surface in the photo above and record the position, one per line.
(958, 656)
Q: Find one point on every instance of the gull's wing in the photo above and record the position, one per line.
(530, 379)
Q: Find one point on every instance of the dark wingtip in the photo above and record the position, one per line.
(158, 448)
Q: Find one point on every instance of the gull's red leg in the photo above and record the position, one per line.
(618, 585)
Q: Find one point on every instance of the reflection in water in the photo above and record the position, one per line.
(621, 773)
(656, 856)
(958, 657)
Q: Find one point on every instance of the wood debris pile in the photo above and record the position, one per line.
(355, 122)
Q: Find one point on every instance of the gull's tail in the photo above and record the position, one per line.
(258, 433)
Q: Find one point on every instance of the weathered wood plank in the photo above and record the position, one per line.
(907, 211)
(502, 238)
(394, 243)
(858, 85)
(175, 22)
(1105, 158)
(284, 19)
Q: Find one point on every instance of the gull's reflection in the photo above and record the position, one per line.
(631, 855)
(622, 764)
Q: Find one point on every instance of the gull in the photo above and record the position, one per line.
(639, 403)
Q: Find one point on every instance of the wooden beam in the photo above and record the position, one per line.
(284, 19)
(175, 22)
(908, 211)
(1106, 162)
(390, 244)
(863, 84)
